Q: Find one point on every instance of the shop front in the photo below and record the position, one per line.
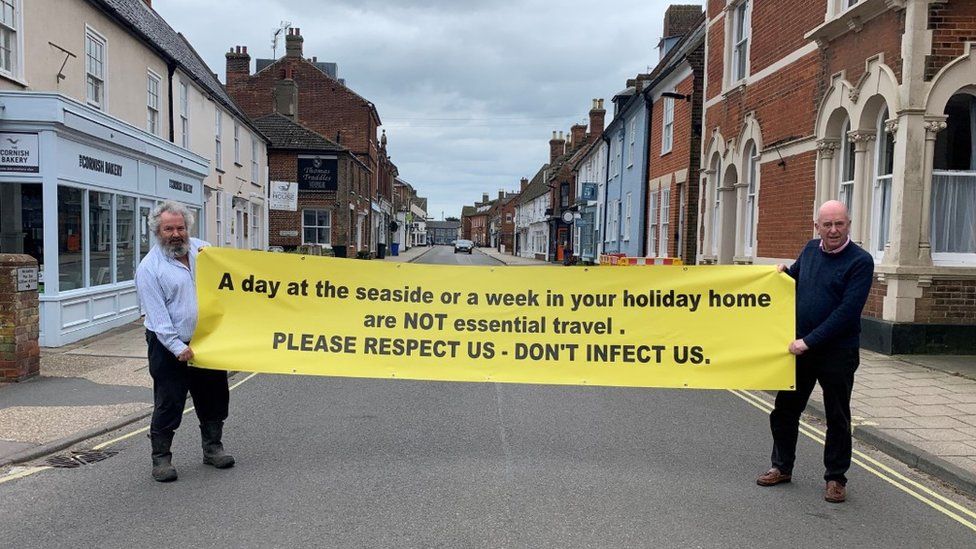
(76, 190)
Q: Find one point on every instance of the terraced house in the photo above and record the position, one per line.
(107, 111)
(872, 102)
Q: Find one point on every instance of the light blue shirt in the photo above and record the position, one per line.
(168, 296)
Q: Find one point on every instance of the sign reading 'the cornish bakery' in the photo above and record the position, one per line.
(316, 173)
(18, 153)
(99, 165)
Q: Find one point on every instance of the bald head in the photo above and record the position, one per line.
(833, 224)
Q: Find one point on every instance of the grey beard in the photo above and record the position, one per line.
(174, 251)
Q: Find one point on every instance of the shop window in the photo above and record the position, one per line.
(95, 68)
(125, 238)
(317, 227)
(99, 238)
(9, 37)
(884, 167)
(152, 103)
(22, 221)
(665, 223)
(71, 262)
(194, 228)
(146, 238)
(954, 183)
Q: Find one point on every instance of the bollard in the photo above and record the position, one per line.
(20, 354)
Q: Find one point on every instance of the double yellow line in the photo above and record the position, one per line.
(31, 470)
(922, 493)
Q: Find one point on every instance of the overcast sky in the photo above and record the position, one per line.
(469, 91)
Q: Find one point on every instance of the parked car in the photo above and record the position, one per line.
(463, 246)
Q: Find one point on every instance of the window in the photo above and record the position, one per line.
(218, 123)
(24, 233)
(620, 146)
(152, 103)
(652, 224)
(9, 37)
(254, 160)
(667, 136)
(740, 44)
(99, 238)
(184, 115)
(846, 188)
(665, 222)
(627, 208)
(237, 143)
(220, 216)
(95, 68)
(716, 201)
(316, 227)
(752, 168)
(125, 238)
(256, 218)
(633, 137)
(564, 195)
(953, 216)
(613, 162)
(884, 167)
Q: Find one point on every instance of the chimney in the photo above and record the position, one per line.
(285, 95)
(293, 43)
(679, 20)
(484, 198)
(238, 65)
(577, 132)
(523, 184)
(501, 194)
(557, 146)
(597, 117)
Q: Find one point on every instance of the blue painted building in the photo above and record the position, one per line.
(625, 192)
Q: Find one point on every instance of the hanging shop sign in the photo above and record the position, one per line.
(284, 196)
(18, 153)
(316, 173)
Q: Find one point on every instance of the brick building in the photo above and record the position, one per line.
(870, 102)
(307, 92)
(333, 189)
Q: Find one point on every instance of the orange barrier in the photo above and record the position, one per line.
(621, 260)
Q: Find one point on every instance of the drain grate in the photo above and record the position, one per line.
(77, 458)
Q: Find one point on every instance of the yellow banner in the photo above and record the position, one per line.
(705, 327)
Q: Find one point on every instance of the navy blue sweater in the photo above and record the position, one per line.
(831, 290)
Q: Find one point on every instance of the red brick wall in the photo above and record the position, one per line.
(879, 35)
(786, 194)
(875, 304)
(947, 302)
(952, 24)
(778, 29)
(716, 52)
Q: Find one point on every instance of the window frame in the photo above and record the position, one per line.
(254, 160)
(628, 207)
(881, 189)
(739, 41)
(218, 128)
(846, 160)
(328, 227)
(631, 150)
(664, 224)
(752, 197)
(652, 211)
(152, 111)
(716, 203)
(16, 69)
(184, 114)
(237, 143)
(92, 36)
(667, 126)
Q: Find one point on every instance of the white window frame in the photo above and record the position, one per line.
(740, 34)
(254, 160)
(628, 206)
(219, 216)
(652, 208)
(716, 203)
(845, 187)
(620, 151)
(752, 188)
(184, 114)
(152, 102)
(881, 194)
(257, 217)
(953, 258)
(12, 28)
(664, 224)
(667, 126)
(237, 143)
(218, 126)
(93, 37)
(327, 227)
(633, 137)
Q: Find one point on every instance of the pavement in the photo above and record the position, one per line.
(919, 409)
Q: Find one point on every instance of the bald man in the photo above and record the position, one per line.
(833, 277)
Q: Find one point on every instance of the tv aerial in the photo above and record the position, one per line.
(281, 30)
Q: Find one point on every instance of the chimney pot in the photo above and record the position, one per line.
(523, 184)
(501, 194)
(484, 198)
(293, 43)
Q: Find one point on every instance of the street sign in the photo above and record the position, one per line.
(588, 192)
(26, 279)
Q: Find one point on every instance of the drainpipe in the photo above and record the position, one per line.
(645, 171)
(606, 189)
(171, 69)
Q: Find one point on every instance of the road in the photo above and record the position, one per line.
(334, 462)
(444, 255)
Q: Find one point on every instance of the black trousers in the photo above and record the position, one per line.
(172, 380)
(834, 370)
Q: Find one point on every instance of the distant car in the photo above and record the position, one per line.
(463, 246)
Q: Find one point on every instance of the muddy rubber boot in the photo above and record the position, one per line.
(213, 451)
(162, 458)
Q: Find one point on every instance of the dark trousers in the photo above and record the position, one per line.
(172, 380)
(834, 370)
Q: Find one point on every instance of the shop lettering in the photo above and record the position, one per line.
(101, 166)
(14, 156)
(180, 186)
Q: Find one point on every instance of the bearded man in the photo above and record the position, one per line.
(167, 292)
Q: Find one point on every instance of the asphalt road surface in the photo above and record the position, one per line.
(333, 462)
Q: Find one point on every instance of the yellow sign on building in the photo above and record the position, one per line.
(707, 327)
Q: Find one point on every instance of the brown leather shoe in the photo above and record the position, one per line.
(773, 477)
(835, 492)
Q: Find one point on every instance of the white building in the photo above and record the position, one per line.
(531, 218)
